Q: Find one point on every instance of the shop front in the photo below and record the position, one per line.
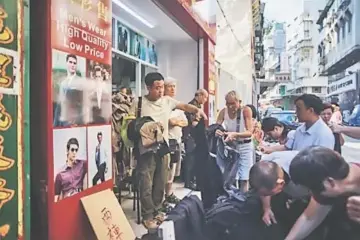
(82, 52)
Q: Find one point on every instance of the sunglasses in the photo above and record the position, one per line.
(74, 149)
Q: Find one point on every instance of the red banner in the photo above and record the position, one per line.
(212, 69)
(81, 92)
(83, 28)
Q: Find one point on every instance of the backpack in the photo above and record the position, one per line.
(238, 216)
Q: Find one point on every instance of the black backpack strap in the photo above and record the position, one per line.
(238, 120)
(139, 107)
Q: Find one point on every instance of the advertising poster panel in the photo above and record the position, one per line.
(11, 178)
(81, 41)
(134, 44)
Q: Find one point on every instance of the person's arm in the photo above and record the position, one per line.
(268, 216)
(309, 220)
(271, 149)
(353, 132)
(173, 122)
(191, 109)
(220, 117)
(58, 187)
(341, 138)
(248, 127)
(353, 208)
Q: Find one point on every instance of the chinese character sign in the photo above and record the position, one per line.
(9, 65)
(106, 216)
(10, 181)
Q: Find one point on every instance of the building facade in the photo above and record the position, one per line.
(258, 9)
(303, 37)
(273, 87)
(234, 48)
(339, 51)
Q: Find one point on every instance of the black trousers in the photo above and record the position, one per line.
(100, 175)
(189, 169)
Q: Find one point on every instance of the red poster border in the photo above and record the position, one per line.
(66, 218)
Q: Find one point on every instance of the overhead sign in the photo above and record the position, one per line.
(107, 217)
(345, 84)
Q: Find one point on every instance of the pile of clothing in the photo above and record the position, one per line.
(122, 157)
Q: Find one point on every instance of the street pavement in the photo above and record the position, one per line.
(351, 149)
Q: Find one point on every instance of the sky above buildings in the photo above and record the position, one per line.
(282, 10)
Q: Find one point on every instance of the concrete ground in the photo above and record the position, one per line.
(127, 206)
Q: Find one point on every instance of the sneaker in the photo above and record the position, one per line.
(172, 199)
(160, 217)
(151, 224)
(166, 207)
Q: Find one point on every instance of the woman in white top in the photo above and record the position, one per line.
(238, 131)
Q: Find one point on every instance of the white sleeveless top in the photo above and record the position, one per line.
(230, 124)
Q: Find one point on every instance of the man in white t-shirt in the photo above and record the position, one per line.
(152, 170)
(177, 121)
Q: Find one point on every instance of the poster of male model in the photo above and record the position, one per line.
(81, 35)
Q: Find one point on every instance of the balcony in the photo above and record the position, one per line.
(323, 60)
(342, 56)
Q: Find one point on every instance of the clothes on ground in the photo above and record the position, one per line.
(189, 219)
(208, 174)
(319, 134)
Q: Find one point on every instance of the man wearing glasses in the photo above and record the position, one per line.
(70, 179)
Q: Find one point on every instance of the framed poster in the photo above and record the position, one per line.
(81, 42)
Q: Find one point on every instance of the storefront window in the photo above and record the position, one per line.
(145, 70)
(123, 73)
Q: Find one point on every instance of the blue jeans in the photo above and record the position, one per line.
(235, 164)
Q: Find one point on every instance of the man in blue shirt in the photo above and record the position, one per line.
(314, 132)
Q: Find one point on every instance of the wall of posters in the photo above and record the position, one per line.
(81, 39)
(11, 183)
(134, 44)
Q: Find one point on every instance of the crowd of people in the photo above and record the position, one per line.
(303, 181)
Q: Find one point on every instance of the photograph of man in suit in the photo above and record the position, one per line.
(101, 158)
(100, 97)
(69, 110)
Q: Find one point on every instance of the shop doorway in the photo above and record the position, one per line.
(123, 73)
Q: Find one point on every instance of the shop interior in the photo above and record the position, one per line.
(146, 39)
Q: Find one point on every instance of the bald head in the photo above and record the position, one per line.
(201, 96)
(264, 175)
